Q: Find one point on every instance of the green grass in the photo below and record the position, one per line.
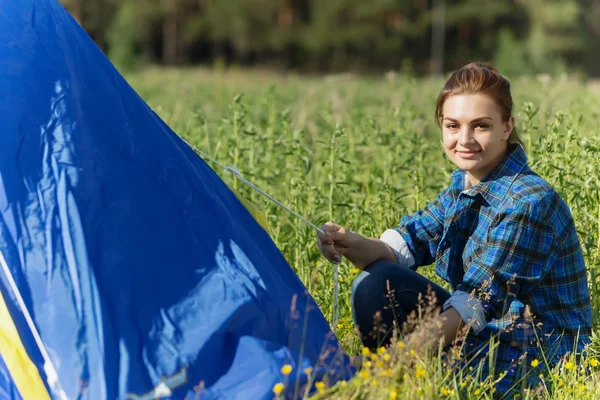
(363, 152)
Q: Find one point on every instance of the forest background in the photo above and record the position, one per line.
(414, 37)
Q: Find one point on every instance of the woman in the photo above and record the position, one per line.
(499, 235)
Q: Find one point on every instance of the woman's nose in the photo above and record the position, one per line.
(465, 136)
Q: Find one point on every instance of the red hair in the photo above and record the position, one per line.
(475, 78)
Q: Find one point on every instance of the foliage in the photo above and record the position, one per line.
(343, 35)
(364, 152)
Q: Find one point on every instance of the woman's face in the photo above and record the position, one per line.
(475, 137)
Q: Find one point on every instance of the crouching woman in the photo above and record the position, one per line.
(500, 235)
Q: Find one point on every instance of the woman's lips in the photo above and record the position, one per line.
(466, 154)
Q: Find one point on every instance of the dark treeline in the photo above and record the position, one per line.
(414, 36)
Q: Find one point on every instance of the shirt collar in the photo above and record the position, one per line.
(493, 187)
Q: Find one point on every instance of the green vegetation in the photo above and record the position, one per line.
(363, 152)
(526, 36)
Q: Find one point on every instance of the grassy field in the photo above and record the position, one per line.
(363, 152)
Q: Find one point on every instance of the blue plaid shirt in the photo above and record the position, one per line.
(509, 249)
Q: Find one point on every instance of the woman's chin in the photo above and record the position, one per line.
(467, 165)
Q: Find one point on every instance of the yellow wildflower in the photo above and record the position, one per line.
(535, 363)
(593, 362)
(365, 374)
(374, 357)
(386, 357)
(400, 345)
(366, 352)
(355, 271)
(368, 364)
(405, 377)
(477, 392)
(320, 386)
(380, 350)
(308, 371)
(582, 388)
(420, 372)
(286, 369)
(379, 364)
(278, 388)
(412, 353)
(560, 383)
(340, 326)
(462, 385)
(569, 365)
(444, 391)
(393, 395)
(374, 382)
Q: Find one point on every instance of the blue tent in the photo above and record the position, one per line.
(128, 269)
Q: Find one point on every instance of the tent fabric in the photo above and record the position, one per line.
(143, 273)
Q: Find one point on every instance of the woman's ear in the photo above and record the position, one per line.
(508, 128)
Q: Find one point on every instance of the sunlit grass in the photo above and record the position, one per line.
(363, 152)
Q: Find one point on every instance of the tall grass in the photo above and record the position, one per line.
(363, 152)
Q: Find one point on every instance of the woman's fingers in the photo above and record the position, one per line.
(326, 241)
(331, 233)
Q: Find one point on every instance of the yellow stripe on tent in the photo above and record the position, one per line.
(256, 212)
(22, 370)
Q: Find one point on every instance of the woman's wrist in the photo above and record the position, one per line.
(366, 251)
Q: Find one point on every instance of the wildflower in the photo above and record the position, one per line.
(593, 362)
(535, 363)
(413, 353)
(355, 271)
(477, 392)
(462, 385)
(400, 345)
(569, 365)
(386, 357)
(379, 364)
(380, 350)
(340, 326)
(444, 391)
(582, 388)
(320, 386)
(278, 388)
(368, 364)
(420, 372)
(286, 369)
(374, 357)
(405, 377)
(560, 383)
(364, 374)
(393, 395)
(374, 382)
(366, 352)
(308, 370)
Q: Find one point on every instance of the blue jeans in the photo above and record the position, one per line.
(383, 296)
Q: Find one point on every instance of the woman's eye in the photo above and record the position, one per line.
(451, 126)
(483, 126)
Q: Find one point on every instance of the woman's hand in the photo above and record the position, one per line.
(337, 241)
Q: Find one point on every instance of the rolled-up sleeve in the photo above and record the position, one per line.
(519, 248)
(394, 239)
(469, 309)
(422, 231)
